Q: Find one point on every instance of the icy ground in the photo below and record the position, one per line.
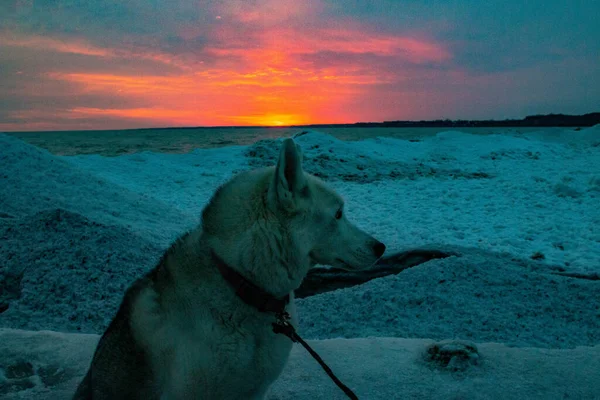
(48, 366)
(521, 213)
(522, 195)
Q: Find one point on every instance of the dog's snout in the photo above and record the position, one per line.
(378, 249)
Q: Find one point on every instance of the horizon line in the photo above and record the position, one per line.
(358, 124)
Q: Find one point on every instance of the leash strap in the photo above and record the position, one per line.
(265, 302)
(284, 327)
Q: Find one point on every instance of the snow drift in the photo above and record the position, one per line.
(48, 366)
(520, 213)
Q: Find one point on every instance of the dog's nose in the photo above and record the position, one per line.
(378, 249)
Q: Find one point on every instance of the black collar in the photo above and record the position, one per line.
(250, 293)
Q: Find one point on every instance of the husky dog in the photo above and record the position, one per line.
(183, 331)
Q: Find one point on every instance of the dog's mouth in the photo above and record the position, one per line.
(343, 264)
(347, 266)
(338, 263)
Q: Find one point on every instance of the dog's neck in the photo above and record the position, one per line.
(278, 275)
(250, 293)
(254, 241)
(266, 260)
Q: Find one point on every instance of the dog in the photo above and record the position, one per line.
(185, 331)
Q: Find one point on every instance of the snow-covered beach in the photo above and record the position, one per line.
(520, 211)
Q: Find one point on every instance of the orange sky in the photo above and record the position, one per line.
(266, 62)
(269, 84)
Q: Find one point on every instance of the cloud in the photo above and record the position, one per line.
(60, 46)
(189, 62)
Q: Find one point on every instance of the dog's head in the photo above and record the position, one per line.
(283, 215)
(315, 216)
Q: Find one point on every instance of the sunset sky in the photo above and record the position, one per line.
(82, 64)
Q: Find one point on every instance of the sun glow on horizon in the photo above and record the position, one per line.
(79, 65)
(273, 120)
(275, 75)
(250, 66)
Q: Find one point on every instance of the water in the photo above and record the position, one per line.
(183, 140)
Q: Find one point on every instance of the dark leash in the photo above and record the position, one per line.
(284, 327)
(264, 301)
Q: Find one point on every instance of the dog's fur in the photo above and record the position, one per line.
(182, 333)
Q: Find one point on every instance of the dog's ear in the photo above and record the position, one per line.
(290, 182)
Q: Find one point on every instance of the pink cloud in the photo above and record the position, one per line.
(72, 46)
(252, 66)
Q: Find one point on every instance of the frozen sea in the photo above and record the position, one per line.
(81, 218)
(184, 140)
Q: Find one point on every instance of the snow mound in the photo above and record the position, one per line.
(49, 365)
(332, 159)
(74, 229)
(479, 295)
(33, 180)
(183, 181)
(63, 271)
(579, 138)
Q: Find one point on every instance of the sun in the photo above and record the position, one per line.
(283, 119)
(272, 119)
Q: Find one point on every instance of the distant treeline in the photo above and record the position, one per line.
(529, 121)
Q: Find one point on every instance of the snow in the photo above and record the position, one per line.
(477, 295)
(503, 193)
(34, 180)
(47, 366)
(520, 211)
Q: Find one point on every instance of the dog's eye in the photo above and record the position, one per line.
(338, 214)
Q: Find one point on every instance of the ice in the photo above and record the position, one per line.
(48, 365)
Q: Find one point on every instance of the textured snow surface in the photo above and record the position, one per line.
(521, 213)
(77, 230)
(49, 365)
